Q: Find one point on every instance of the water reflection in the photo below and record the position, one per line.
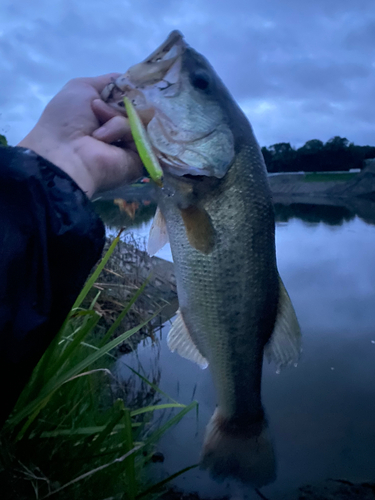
(141, 201)
(132, 215)
(133, 389)
(332, 211)
(313, 214)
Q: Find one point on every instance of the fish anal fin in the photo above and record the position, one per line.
(158, 236)
(284, 346)
(179, 340)
(199, 229)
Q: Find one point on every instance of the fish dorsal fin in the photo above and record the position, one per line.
(158, 236)
(284, 346)
(179, 340)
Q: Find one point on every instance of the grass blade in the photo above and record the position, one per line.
(118, 415)
(123, 313)
(147, 409)
(154, 386)
(90, 324)
(91, 472)
(173, 421)
(155, 487)
(90, 282)
(129, 462)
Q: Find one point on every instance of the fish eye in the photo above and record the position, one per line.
(200, 80)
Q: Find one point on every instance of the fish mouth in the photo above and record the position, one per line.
(150, 72)
(164, 52)
(155, 67)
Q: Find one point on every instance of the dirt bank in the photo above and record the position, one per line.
(126, 271)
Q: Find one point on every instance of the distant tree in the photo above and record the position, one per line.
(336, 143)
(282, 157)
(336, 154)
(309, 156)
(357, 155)
(369, 152)
(312, 146)
(281, 149)
(267, 155)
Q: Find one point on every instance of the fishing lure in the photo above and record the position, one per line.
(143, 144)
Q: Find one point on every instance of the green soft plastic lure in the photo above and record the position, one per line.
(143, 144)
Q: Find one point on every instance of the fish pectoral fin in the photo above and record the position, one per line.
(179, 340)
(158, 236)
(199, 229)
(284, 346)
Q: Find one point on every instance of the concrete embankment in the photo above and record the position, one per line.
(296, 185)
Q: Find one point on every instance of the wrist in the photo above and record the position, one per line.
(62, 156)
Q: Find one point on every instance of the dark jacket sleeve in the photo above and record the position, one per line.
(50, 238)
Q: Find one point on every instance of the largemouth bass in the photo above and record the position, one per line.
(215, 207)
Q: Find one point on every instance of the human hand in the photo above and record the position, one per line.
(75, 132)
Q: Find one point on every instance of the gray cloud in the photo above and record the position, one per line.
(362, 38)
(300, 70)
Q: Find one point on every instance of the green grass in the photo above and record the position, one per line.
(70, 435)
(329, 176)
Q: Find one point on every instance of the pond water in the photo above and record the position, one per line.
(322, 412)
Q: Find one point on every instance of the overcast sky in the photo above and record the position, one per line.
(299, 69)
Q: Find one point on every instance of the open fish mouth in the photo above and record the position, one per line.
(150, 72)
(160, 71)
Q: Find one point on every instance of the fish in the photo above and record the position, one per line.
(215, 208)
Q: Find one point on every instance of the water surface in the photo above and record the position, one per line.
(321, 413)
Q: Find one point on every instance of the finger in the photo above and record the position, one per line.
(103, 111)
(99, 82)
(115, 129)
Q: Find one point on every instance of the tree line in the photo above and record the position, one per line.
(315, 156)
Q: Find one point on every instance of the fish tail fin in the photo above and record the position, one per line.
(243, 452)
